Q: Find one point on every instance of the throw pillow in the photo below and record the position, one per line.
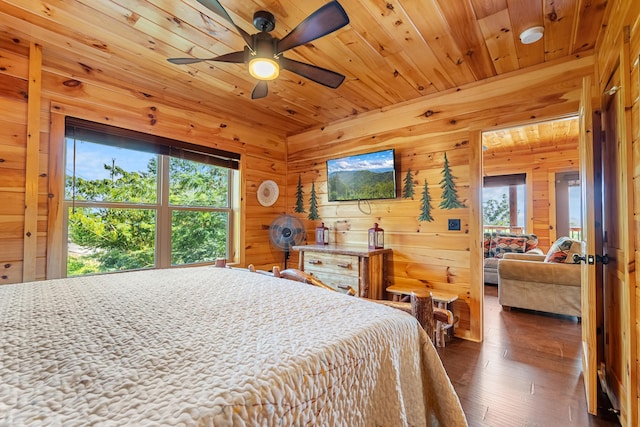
(485, 244)
(532, 239)
(501, 245)
(563, 249)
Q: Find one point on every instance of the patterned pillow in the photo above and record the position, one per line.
(532, 242)
(563, 249)
(532, 239)
(486, 243)
(502, 244)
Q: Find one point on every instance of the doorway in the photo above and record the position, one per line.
(521, 169)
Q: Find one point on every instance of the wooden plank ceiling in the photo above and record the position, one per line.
(391, 51)
(552, 135)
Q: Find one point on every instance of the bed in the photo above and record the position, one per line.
(211, 346)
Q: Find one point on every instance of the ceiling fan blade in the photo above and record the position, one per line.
(317, 74)
(260, 90)
(216, 7)
(184, 61)
(234, 57)
(323, 21)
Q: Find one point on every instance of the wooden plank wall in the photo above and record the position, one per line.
(540, 164)
(635, 132)
(14, 75)
(421, 133)
(89, 95)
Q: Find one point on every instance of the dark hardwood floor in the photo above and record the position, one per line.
(527, 372)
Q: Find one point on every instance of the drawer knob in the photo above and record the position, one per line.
(345, 265)
(314, 261)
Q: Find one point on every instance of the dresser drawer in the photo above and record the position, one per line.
(339, 282)
(336, 270)
(345, 265)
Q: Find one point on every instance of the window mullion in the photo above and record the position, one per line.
(163, 225)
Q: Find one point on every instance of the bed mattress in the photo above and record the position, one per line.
(212, 346)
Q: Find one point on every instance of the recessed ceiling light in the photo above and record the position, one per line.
(531, 35)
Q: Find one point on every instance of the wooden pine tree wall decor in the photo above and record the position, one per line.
(425, 206)
(313, 203)
(449, 192)
(299, 195)
(407, 189)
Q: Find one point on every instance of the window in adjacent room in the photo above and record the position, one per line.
(568, 205)
(503, 203)
(136, 201)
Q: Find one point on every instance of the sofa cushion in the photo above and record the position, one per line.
(563, 249)
(504, 244)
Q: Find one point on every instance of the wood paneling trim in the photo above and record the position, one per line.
(553, 221)
(442, 111)
(476, 293)
(32, 164)
(155, 117)
(56, 232)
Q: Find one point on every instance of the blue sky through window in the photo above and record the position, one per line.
(91, 158)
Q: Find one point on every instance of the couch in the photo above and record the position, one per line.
(497, 244)
(549, 283)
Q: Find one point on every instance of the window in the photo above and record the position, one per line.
(136, 201)
(503, 203)
(568, 205)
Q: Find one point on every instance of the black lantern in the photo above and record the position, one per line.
(376, 237)
(322, 235)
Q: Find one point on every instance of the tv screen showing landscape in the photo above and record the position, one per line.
(362, 177)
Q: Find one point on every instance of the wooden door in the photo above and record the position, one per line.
(617, 244)
(589, 302)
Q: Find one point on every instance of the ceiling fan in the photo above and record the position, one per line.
(263, 53)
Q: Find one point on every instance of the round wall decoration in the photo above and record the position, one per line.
(268, 193)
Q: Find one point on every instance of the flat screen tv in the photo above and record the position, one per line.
(365, 176)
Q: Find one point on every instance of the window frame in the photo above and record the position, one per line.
(510, 181)
(58, 217)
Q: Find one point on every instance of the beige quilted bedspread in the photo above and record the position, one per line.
(209, 346)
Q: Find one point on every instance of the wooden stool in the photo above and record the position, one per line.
(442, 300)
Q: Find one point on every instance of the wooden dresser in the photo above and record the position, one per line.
(344, 266)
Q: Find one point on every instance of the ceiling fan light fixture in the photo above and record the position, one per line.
(531, 35)
(264, 68)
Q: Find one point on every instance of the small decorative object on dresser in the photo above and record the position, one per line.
(376, 237)
(322, 235)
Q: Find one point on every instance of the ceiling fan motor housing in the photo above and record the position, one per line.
(264, 21)
(264, 45)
